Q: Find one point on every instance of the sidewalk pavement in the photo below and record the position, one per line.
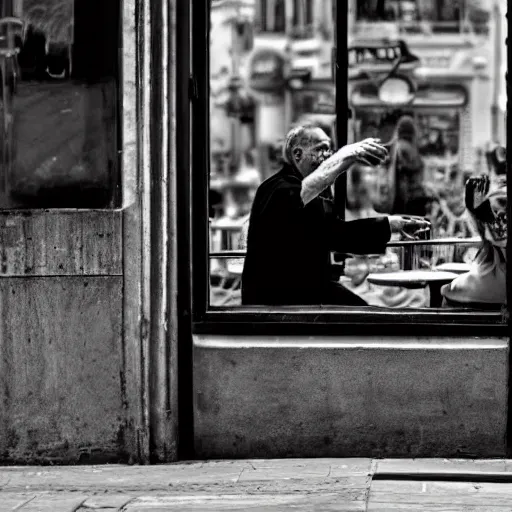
(263, 485)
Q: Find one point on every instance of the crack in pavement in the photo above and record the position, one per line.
(123, 508)
(18, 507)
(236, 481)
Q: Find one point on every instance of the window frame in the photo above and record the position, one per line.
(304, 320)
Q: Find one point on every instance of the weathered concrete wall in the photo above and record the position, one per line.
(61, 354)
(332, 397)
(75, 294)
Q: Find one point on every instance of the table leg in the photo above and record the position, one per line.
(436, 299)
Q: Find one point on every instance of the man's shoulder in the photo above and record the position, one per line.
(279, 189)
(282, 180)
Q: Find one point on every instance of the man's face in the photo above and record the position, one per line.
(311, 150)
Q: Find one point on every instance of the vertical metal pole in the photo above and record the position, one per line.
(342, 107)
(408, 257)
(497, 71)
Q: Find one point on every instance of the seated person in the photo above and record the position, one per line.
(292, 229)
(484, 286)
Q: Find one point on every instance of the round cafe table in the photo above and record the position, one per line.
(456, 268)
(434, 279)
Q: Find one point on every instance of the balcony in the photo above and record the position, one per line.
(458, 32)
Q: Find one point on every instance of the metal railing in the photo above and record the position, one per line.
(413, 254)
(408, 245)
(229, 264)
(410, 257)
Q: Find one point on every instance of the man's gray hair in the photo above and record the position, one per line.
(297, 136)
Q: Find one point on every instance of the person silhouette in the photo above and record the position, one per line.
(406, 170)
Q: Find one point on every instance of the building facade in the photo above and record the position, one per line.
(109, 350)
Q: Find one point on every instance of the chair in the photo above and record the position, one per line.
(228, 290)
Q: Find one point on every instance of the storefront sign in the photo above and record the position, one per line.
(380, 55)
(440, 96)
(267, 70)
(436, 59)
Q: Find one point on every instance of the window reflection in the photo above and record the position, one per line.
(58, 104)
(444, 131)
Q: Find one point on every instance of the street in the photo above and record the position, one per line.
(263, 485)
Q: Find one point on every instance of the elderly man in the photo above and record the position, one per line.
(293, 229)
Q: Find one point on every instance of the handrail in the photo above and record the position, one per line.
(440, 241)
(227, 254)
(437, 241)
(423, 26)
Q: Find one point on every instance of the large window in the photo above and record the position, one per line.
(58, 104)
(446, 141)
(437, 15)
(273, 16)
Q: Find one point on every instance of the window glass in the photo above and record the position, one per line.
(445, 134)
(58, 103)
(428, 80)
(269, 69)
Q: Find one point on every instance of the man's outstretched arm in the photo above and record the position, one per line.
(370, 236)
(368, 151)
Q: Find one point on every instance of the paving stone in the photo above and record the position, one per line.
(284, 470)
(58, 502)
(350, 467)
(439, 496)
(452, 466)
(276, 503)
(106, 501)
(119, 477)
(13, 501)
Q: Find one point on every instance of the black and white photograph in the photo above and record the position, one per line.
(254, 255)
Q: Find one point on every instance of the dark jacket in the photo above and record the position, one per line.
(289, 244)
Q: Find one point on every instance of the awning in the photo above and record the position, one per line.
(429, 97)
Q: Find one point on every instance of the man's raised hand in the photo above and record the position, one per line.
(368, 151)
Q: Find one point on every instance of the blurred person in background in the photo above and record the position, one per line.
(406, 171)
(293, 227)
(362, 192)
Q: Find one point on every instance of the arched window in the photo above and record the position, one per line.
(280, 16)
(302, 12)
